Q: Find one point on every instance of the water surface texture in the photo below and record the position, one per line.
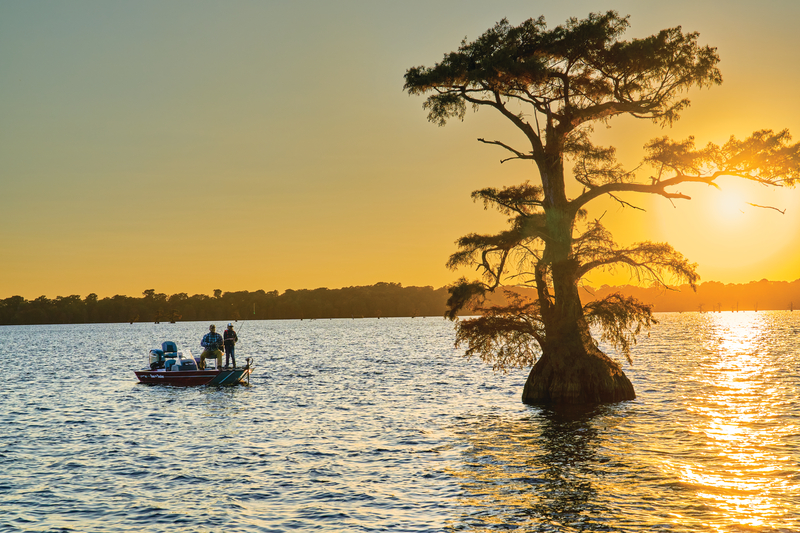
(380, 425)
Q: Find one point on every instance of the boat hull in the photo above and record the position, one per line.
(191, 378)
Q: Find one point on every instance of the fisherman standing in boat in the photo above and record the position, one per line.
(212, 342)
(230, 340)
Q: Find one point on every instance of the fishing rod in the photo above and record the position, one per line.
(245, 320)
(241, 327)
(237, 342)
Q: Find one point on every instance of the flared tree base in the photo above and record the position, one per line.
(576, 373)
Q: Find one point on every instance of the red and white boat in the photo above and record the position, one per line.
(168, 366)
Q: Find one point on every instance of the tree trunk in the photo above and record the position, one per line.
(573, 370)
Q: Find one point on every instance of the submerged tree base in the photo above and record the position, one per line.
(576, 373)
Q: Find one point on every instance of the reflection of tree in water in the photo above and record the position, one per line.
(540, 473)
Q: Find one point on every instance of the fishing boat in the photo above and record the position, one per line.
(168, 366)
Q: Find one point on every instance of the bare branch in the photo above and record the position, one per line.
(624, 203)
(517, 153)
(768, 207)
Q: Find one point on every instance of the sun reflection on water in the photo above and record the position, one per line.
(737, 470)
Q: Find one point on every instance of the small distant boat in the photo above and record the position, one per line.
(168, 366)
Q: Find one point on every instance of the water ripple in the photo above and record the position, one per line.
(366, 425)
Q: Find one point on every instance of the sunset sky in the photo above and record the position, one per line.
(186, 146)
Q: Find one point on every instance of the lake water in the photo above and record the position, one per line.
(380, 425)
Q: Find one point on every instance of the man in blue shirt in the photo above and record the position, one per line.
(212, 342)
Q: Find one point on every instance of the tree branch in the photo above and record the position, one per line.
(768, 207)
(624, 203)
(657, 187)
(517, 153)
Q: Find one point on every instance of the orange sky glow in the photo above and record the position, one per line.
(194, 145)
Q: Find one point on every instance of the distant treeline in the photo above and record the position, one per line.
(713, 296)
(379, 300)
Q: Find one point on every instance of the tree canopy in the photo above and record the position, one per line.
(573, 74)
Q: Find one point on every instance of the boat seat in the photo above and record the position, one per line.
(169, 347)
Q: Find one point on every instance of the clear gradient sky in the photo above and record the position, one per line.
(191, 145)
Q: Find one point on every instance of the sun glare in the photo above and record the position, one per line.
(729, 206)
(736, 233)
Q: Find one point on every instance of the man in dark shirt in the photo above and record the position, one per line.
(212, 342)
(230, 340)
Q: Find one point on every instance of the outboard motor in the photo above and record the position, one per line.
(156, 359)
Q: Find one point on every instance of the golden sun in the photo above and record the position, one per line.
(729, 205)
